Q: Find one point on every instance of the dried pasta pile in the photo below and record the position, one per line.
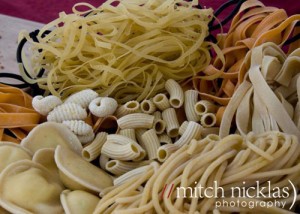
(271, 156)
(125, 51)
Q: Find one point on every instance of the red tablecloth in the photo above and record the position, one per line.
(46, 10)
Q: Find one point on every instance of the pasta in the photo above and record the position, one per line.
(159, 125)
(128, 108)
(208, 120)
(207, 162)
(93, 150)
(103, 106)
(112, 42)
(83, 98)
(136, 121)
(183, 127)
(193, 131)
(165, 151)
(118, 167)
(161, 101)
(151, 143)
(190, 99)
(164, 139)
(148, 107)
(169, 116)
(130, 133)
(204, 106)
(176, 93)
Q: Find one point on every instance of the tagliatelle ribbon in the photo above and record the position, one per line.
(16, 114)
(252, 26)
(265, 100)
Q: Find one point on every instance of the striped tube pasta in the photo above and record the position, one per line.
(135, 121)
(190, 99)
(193, 131)
(169, 116)
(204, 106)
(183, 127)
(130, 107)
(138, 134)
(131, 174)
(151, 143)
(93, 150)
(165, 151)
(118, 167)
(128, 151)
(103, 159)
(130, 133)
(164, 139)
(208, 120)
(161, 101)
(176, 93)
(148, 107)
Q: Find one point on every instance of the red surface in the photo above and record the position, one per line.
(47, 10)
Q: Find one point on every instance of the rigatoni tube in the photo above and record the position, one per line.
(176, 93)
(93, 150)
(151, 142)
(136, 121)
(169, 116)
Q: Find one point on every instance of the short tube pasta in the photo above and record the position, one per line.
(164, 139)
(193, 131)
(161, 101)
(118, 167)
(103, 159)
(183, 127)
(148, 107)
(151, 142)
(169, 115)
(129, 107)
(176, 93)
(136, 121)
(93, 150)
(204, 106)
(208, 120)
(190, 99)
(130, 133)
(164, 151)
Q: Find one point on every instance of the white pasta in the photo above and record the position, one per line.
(103, 106)
(148, 107)
(190, 99)
(193, 131)
(67, 111)
(103, 159)
(138, 134)
(78, 127)
(161, 101)
(151, 142)
(208, 120)
(44, 105)
(176, 93)
(164, 139)
(165, 151)
(204, 106)
(183, 127)
(86, 138)
(118, 167)
(169, 116)
(130, 107)
(93, 150)
(135, 121)
(82, 98)
(130, 133)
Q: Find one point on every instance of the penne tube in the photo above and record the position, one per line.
(130, 107)
(193, 131)
(204, 106)
(136, 121)
(103, 159)
(165, 151)
(93, 150)
(176, 93)
(164, 139)
(208, 120)
(190, 99)
(161, 102)
(130, 133)
(172, 125)
(151, 143)
(159, 125)
(183, 127)
(148, 107)
(118, 167)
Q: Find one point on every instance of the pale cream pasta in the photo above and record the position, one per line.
(118, 167)
(183, 127)
(161, 101)
(208, 120)
(147, 106)
(164, 139)
(136, 121)
(190, 99)
(93, 150)
(129, 107)
(103, 159)
(193, 131)
(169, 116)
(130, 133)
(204, 106)
(164, 151)
(151, 143)
(176, 93)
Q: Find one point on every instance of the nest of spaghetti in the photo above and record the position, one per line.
(124, 49)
